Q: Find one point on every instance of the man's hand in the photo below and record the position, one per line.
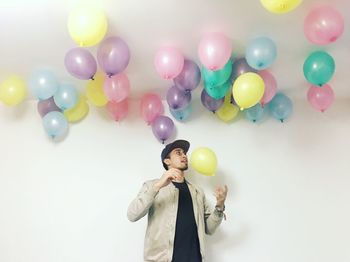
(220, 194)
(167, 177)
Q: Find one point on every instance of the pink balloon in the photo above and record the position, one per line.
(117, 87)
(270, 87)
(323, 25)
(169, 62)
(214, 51)
(321, 98)
(151, 106)
(118, 111)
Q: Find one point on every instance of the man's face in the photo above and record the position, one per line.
(177, 159)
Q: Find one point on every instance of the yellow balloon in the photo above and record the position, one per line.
(280, 6)
(94, 91)
(78, 112)
(204, 161)
(13, 90)
(248, 89)
(87, 26)
(227, 112)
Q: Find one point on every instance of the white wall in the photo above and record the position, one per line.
(66, 201)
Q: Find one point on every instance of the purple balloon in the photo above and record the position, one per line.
(239, 67)
(113, 55)
(162, 127)
(189, 77)
(80, 63)
(178, 99)
(211, 103)
(46, 106)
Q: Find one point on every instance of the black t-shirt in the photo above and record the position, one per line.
(186, 243)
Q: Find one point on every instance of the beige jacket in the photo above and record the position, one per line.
(162, 212)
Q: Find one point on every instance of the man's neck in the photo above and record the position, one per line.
(181, 178)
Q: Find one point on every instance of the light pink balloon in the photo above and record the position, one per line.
(118, 111)
(321, 98)
(117, 87)
(151, 106)
(169, 62)
(323, 25)
(270, 87)
(214, 51)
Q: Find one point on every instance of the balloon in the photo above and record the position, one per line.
(248, 89)
(261, 53)
(113, 55)
(55, 124)
(227, 112)
(78, 112)
(46, 106)
(181, 114)
(80, 63)
(219, 77)
(270, 86)
(281, 107)
(280, 6)
(151, 106)
(118, 110)
(66, 97)
(43, 84)
(218, 92)
(117, 87)
(189, 77)
(162, 127)
(94, 91)
(204, 161)
(87, 26)
(168, 62)
(255, 113)
(239, 67)
(178, 99)
(214, 51)
(13, 90)
(210, 103)
(321, 98)
(323, 25)
(319, 68)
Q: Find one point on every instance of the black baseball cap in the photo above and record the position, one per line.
(183, 144)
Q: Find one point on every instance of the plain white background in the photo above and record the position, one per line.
(66, 201)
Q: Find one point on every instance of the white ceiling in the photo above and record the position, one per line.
(34, 34)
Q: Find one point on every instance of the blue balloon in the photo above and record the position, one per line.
(255, 113)
(181, 114)
(66, 97)
(261, 53)
(55, 124)
(43, 84)
(281, 107)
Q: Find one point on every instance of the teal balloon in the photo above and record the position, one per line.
(219, 77)
(319, 68)
(281, 107)
(43, 84)
(181, 114)
(218, 92)
(55, 124)
(66, 97)
(255, 113)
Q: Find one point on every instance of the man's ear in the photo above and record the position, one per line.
(167, 161)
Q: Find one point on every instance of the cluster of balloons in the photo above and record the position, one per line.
(204, 161)
(322, 26)
(151, 109)
(13, 90)
(58, 103)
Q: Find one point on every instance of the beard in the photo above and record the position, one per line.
(184, 168)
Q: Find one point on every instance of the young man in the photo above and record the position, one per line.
(178, 214)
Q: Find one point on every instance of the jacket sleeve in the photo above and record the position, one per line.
(212, 219)
(139, 207)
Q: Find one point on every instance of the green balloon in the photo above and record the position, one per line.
(218, 92)
(219, 77)
(319, 68)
